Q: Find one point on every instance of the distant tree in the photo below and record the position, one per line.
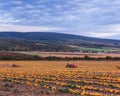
(86, 57)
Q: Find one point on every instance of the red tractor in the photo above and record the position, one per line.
(71, 65)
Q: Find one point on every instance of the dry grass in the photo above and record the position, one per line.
(70, 54)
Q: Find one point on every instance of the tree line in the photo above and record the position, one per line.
(55, 58)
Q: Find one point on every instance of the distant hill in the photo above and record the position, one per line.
(48, 41)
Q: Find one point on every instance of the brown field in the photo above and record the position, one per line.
(71, 54)
(52, 78)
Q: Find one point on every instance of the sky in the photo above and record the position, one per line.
(94, 18)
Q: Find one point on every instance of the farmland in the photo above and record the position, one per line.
(52, 78)
(68, 54)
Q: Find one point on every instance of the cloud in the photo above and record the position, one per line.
(103, 34)
(98, 18)
(15, 2)
(29, 6)
(106, 31)
(21, 28)
(7, 18)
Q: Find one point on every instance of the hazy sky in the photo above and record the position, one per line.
(96, 18)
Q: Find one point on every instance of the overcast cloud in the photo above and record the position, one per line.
(95, 18)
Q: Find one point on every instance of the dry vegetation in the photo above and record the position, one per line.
(52, 78)
(70, 54)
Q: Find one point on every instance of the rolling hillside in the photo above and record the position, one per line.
(48, 41)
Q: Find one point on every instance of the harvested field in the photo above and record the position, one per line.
(71, 54)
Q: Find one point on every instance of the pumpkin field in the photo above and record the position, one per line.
(52, 78)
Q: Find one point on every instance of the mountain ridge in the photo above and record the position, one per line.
(52, 41)
(12, 34)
